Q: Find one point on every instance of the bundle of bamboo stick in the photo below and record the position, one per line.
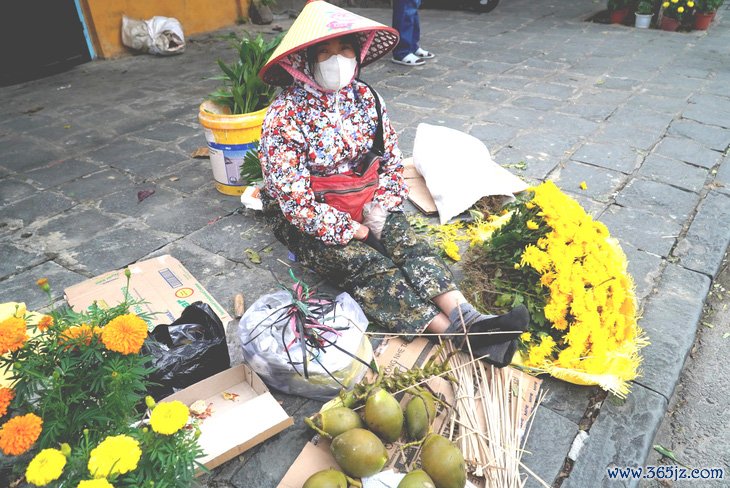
(488, 423)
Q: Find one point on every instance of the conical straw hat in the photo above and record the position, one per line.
(320, 21)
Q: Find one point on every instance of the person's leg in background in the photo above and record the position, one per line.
(406, 22)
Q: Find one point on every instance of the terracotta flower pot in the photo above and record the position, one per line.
(703, 19)
(669, 24)
(618, 16)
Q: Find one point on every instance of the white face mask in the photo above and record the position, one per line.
(335, 72)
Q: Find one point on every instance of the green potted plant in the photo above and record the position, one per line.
(705, 12)
(232, 115)
(644, 13)
(618, 10)
(674, 11)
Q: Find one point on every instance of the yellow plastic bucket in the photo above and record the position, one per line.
(229, 138)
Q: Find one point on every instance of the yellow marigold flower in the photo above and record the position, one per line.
(6, 396)
(114, 455)
(45, 323)
(45, 467)
(124, 334)
(19, 434)
(76, 335)
(690, 4)
(100, 483)
(583, 185)
(451, 250)
(13, 334)
(665, 4)
(674, 1)
(169, 417)
(532, 225)
(525, 337)
(680, 9)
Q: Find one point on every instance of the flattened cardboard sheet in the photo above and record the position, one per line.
(418, 194)
(162, 282)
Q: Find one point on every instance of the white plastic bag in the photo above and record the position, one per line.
(158, 35)
(459, 170)
(260, 330)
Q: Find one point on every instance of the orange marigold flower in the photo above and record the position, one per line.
(19, 434)
(77, 334)
(6, 396)
(45, 322)
(42, 282)
(125, 334)
(13, 334)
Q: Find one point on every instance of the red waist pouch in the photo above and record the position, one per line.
(347, 192)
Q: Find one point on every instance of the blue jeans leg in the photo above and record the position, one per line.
(406, 22)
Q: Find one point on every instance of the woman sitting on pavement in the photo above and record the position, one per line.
(339, 208)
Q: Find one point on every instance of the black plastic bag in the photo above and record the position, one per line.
(189, 350)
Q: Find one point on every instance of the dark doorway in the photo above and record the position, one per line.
(39, 38)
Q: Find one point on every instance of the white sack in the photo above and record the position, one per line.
(158, 35)
(459, 170)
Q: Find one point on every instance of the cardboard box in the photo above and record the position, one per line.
(162, 282)
(393, 354)
(234, 425)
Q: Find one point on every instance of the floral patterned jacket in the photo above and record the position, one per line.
(308, 131)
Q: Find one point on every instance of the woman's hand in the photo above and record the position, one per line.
(362, 232)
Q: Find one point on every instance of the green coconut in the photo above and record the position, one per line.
(359, 452)
(443, 462)
(383, 415)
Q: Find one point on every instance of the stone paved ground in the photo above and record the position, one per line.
(642, 116)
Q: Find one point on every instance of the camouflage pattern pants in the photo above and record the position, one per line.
(394, 291)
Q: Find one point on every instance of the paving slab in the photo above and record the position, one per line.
(621, 436)
(14, 259)
(93, 186)
(58, 172)
(645, 230)
(69, 229)
(22, 286)
(14, 189)
(658, 198)
(232, 235)
(673, 172)
(711, 136)
(670, 319)
(40, 205)
(548, 428)
(645, 268)
(709, 109)
(629, 135)
(119, 247)
(688, 150)
(704, 246)
(600, 186)
(610, 156)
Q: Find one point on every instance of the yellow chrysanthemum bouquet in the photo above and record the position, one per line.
(572, 276)
(72, 407)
